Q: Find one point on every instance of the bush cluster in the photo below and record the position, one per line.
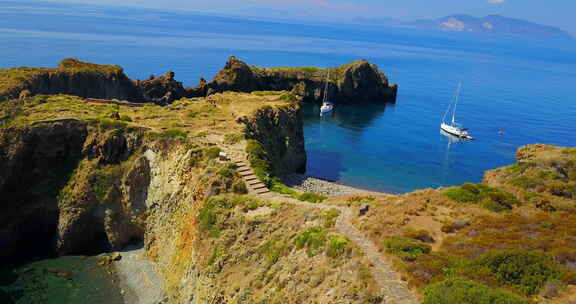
(406, 248)
(492, 199)
(461, 291)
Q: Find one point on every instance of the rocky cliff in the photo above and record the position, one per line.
(281, 133)
(89, 80)
(71, 77)
(358, 81)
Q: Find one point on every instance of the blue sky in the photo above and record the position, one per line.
(551, 12)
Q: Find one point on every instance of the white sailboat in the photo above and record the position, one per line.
(452, 127)
(326, 105)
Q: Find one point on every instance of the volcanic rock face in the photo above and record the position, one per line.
(35, 163)
(72, 77)
(281, 134)
(358, 81)
(161, 90)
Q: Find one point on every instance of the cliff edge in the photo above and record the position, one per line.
(358, 81)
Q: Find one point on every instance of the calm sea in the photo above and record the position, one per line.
(525, 88)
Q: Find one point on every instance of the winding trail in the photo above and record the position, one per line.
(392, 288)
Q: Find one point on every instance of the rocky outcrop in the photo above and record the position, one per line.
(88, 80)
(358, 81)
(35, 162)
(280, 131)
(161, 90)
(72, 77)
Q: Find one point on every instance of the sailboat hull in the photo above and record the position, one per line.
(455, 131)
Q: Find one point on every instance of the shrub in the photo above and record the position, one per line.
(239, 187)
(337, 245)
(499, 201)
(462, 195)
(312, 239)
(125, 118)
(174, 134)
(212, 152)
(525, 182)
(527, 271)
(330, 217)
(461, 291)
(312, 197)
(259, 160)
(107, 124)
(406, 248)
(420, 235)
(274, 249)
(232, 138)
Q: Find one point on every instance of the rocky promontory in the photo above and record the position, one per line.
(358, 81)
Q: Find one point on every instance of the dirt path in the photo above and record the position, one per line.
(393, 289)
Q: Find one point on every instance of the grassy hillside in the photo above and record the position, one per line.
(512, 237)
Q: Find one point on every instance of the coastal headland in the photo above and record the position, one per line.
(92, 162)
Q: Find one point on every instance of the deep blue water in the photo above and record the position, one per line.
(527, 88)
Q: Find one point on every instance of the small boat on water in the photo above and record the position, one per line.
(452, 127)
(326, 105)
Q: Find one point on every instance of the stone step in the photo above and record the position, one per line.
(250, 177)
(253, 182)
(259, 186)
(262, 191)
(242, 169)
(246, 173)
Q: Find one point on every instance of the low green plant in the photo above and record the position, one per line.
(174, 134)
(274, 249)
(525, 182)
(330, 217)
(337, 245)
(107, 124)
(462, 195)
(461, 291)
(312, 239)
(406, 248)
(311, 197)
(212, 152)
(526, 271)
(232, 138)
(125, 118)
(239, 187)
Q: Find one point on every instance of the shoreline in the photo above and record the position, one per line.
(139, 280)
(305, 183)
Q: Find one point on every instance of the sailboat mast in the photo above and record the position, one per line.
(456, 102)
(326, 87)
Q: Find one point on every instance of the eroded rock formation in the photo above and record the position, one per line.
(358, 81)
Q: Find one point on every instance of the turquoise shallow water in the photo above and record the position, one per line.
(524, 87)
(55, 281)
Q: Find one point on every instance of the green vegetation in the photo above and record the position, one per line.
(104, 179)
(462, 291)
(312, 197)
(492, 199)
(330, 217)
(337, 246)
(312, 239)
(275, 249)
(174, 134)
(212, 152)
(526, 271)
(233, 138)
(267, 93)
(406, 248)
(525, 182)
(125, 118)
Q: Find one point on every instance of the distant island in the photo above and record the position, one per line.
(491, 24)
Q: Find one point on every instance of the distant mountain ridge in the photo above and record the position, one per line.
(492, 24)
